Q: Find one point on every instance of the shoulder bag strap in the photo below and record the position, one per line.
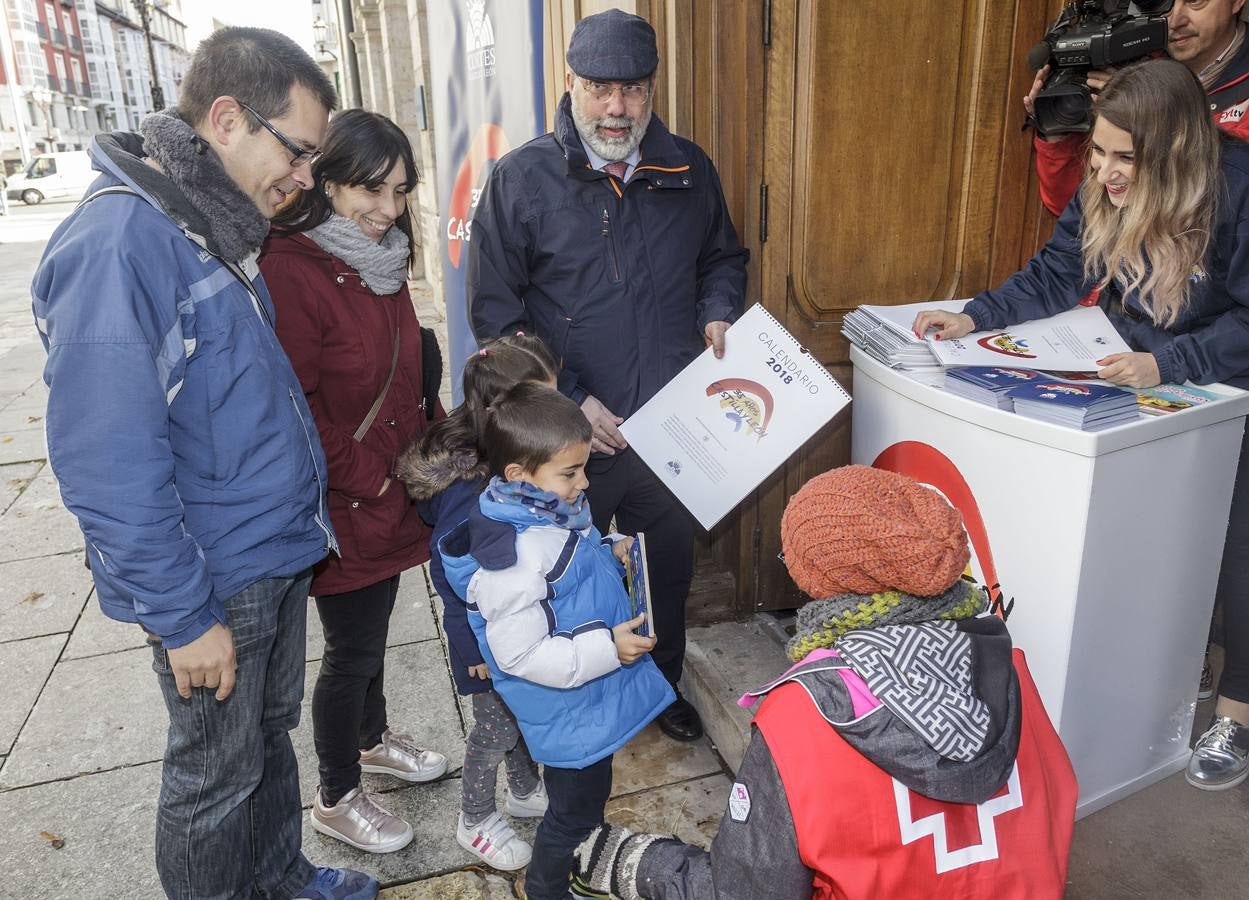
(381, 398)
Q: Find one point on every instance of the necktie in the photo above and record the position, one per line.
(617, 169)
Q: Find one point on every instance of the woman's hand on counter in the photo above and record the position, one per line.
(949, 325)
(1134, 370)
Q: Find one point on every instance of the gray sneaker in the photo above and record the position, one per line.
(1220, 759)
(398, 755)
(361, 822)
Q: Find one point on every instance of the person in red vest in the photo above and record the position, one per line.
(905, 753)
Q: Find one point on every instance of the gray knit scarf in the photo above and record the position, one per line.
(238, 228)
(383, 265)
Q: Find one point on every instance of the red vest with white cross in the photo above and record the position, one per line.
(866, 836)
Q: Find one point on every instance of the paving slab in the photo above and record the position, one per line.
(722, 661)
(464, 885)
(652, 759)
(94, 714)
(690, 810)
(42, 596)
(26, 410)
(38, 524)
(431, 809)
(1171, 840)
(107, 822)
(24, 668)
(412, 620)
(419, 700)
(31, 403)
(13, 480)
(25, 356)
(18, 380)
(97, 634)
(22, 445)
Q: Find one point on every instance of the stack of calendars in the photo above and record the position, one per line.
(1089, 407)
(988, 384)
(884, 333)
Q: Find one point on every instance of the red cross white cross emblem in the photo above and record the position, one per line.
(937, 826)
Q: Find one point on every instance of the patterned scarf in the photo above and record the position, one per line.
(923, 673)
(543, 504)
(822, 623)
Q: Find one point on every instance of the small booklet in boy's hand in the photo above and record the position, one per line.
(638, 579)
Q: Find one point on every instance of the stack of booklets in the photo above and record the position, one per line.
(988, 384)
(884, 333)
(1089, 407)
(1172, 398)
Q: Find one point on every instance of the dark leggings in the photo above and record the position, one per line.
(348, 706)
(1233, 591)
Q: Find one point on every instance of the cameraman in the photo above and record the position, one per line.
(1205, 35)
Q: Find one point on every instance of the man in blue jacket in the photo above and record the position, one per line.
(182, 442)
(610, 239)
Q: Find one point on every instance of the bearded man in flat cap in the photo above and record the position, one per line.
(610, 239)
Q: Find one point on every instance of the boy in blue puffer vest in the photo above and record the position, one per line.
(550, 613)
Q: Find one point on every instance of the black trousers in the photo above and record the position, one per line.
(578, 798)
(348, 705)
(1233, 591)
(623, 486)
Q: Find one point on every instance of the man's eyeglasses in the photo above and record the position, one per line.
(300, 156)
(631, 91)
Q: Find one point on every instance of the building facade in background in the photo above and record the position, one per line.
(75, 68)
(384, 67)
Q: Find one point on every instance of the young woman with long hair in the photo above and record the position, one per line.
(1161, 226)
(337, 267)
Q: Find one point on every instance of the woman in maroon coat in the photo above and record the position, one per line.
(337, 270)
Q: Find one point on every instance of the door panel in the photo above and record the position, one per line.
(870, 153)
(896, 171)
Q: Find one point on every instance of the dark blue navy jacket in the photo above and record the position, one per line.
(618, 281)
(443, 513)
(445, 486)
(1210, 340)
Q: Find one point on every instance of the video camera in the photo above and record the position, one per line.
(1091, 34)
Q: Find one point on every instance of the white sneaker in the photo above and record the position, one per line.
(494, 842)
(530, 807)
(398, 755)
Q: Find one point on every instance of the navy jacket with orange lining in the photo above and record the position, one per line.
(618, 280)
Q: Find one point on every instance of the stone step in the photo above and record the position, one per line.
(722, 662)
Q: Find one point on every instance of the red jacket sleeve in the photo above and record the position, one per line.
(1060, 167)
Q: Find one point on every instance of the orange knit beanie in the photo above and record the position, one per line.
(859, 530)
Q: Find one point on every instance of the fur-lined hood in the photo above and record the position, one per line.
(427, 476)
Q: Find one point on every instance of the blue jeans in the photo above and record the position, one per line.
(229, 819)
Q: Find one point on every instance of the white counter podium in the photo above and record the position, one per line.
(1108, 543)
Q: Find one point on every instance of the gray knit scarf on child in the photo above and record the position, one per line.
(382, 265)
(238, 228)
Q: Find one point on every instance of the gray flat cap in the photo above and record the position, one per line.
(613, 46)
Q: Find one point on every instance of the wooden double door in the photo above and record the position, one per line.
(871, 152)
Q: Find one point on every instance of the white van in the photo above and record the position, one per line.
(53, 175)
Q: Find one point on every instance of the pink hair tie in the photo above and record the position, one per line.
(483, 352)
(520, 334)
